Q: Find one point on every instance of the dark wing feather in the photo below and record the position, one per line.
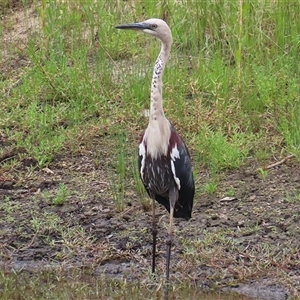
(183, 170)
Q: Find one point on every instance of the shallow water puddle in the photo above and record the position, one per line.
(193, 295)
(57, 284)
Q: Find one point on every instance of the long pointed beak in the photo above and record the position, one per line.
(134, 26)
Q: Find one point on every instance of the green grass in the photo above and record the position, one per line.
(231, 86)
(292, 196)
(118, 183)
(210, 187)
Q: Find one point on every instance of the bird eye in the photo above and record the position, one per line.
(153, 26)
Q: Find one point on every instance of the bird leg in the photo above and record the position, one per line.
(154, 234)
(173, 196)
(169, 245)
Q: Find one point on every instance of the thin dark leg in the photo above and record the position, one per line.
(154, 234)
(169, 245)
(173, 196)
(168, 254)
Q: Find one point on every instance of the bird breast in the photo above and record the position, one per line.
(157, 137)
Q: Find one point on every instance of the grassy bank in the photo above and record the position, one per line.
(231, 86)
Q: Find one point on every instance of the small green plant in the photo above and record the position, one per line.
(292, 196)
(210, 187)
(46, 195)
(230, 192)
(263, 173)
(36, 224)
(62, 194)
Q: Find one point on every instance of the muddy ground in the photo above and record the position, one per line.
(247, 241)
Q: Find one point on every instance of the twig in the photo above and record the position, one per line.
(278, 162)
(30, 244)
(8, 155)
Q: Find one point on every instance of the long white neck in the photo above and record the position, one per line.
(158, 131)
(156, 106)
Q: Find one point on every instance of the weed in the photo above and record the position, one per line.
(292, 196)
(230, 192)
(263, 173)
(36, 224)
(118, 185)
(210, 187)
(46, 195)
(62, 194)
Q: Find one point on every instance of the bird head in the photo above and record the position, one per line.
(155, 27)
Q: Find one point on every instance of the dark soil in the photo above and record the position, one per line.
(246, 241)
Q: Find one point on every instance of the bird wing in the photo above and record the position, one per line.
(180, 167)
(183, 176)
